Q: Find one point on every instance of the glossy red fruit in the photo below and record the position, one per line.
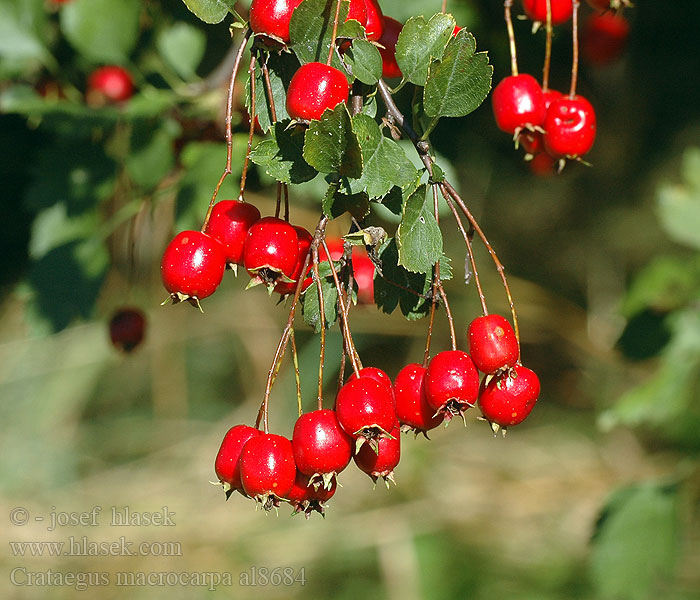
(267, 468)
(392, 29)
(451, 383)
(375, 20)
(305, 497)
(193, 266)
(603, 5)
(377, 374)
(531, 141)
(492, 343)
(229, 223)
(358, 12)
(412, 409)
(272, 17)
(365, 410)
(603, 38)
(542, 165)
(383, 461)
(304, 243)
(509, 397)
(321, 448)
(271, 249)
(127, 328)
(226, 464)
(518, 103)
(570, 127)
(362, 266)
(537, 10)
(314, 88)
(110, 83)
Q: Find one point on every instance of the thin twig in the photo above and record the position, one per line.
(297, 378)
(336, 18)
(511, 36)
(251, 128)
(547, 48)
(574, 65)
(322, 320)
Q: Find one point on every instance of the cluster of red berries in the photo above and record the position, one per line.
(272, 251)
(370, 412)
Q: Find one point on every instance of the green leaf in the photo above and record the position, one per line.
(637, 541)
(679, 205)
(22, 32)
(182, 47)
(460, 82)
(364, 61)
(336, 203)
(210, 11)
(421, 41)
(152, 157)
(282, 155)
(280, 67)
(102, 30)
(330, 145)
(311, 304)
(385, 164)
(419, 238)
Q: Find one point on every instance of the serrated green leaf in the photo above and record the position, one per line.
(385, 164)
(151, 157)
(311, 303)
(282, 155)
(210, 11)
(336, 203)
(636, 544)
(102, 30)
(330, 145)
(419, 238)
(364, 61)
(182, 47)
(280, 67)
(419, 42)
(460, 82)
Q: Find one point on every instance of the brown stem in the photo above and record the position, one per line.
(251, 128)
(444, 6)
(511, 36)
(278, 203)
(268, 89)
(336, 18)
(547, 48)
(448, 313)
(286, 203)
(297, 378)
(434, 289)
(574, 65)
(322, 319)
(229, 135)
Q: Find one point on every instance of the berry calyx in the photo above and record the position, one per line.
(570, 127)
(604, 37)
(451, 383)
(267, 468)
(109, 84)
(412, 409)
(289, 287)
(126, 329)
(492, 343)
(375, 20)
(321, 448)
(272, 17)
(270, 251)
(306, 498)
(537, 10)
(229, 223)
(382, 461)
(314, 88)
(226, 464)
(509, 397)
(193, 266)
(518, 103)
(390, 35)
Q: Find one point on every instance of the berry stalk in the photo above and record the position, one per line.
(574, 65)
(507, 5)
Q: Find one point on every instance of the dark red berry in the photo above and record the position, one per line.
(412, 409)
(392, 29)
(271, 250)
(321, 448)
(518, 103)
(110, 83)
(377, 374)
(375, 20)
(193, 266)
(314, 88)
(229, 223)
(509, 397)
(542, 165)
(382, 461)
(365, 410)
(126, 329)
(570, 127)
(307, 498)
(492, 343)
(603, 38)
(305, 239)
(267, 468)
(226, 465)
(272, 17)
(451, 383)
(537, 10)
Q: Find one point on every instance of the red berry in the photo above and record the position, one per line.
(229, 223)
(532, 141)
(321, 448)
(193, 266)
(518, 103)
(570, 127)
(375, 20)
(271, 249)
(509, 397)
(537, 10)
(382, 461)
(363, 271)
(267, 468)
(305, 239)
(126, 328)
(451, 383)
(314, 88)
(272, 17)
(492, 343)
(377, 374)
(358, 12)
(412, 408)
(226, 465)
(542, 165)
(110, 83)
(392, 29)
(604, 37)
(307, 498)
(365, 410)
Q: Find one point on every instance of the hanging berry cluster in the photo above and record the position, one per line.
(316, 86)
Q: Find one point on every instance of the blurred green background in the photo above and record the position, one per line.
(595, 496)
